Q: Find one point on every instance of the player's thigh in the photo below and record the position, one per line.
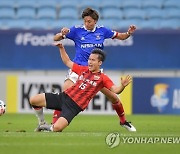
(70, 79)
(110, 95)
(38, 100)
(67, 84)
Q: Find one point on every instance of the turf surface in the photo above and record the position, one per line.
(86, 135)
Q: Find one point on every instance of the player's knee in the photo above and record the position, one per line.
(57, 128)
(33, 100)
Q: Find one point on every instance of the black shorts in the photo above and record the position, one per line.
(62, 102)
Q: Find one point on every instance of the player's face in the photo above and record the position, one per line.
(89, 23)
(94, 63)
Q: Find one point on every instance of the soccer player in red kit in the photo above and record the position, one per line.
(76, 98)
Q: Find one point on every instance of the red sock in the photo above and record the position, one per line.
(56, 116)
(120, 111)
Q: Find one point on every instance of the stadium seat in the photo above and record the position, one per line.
(86, 4)
(77, 22)
(47, 13)
(17, 24)
(110, 23)
(7, 13)
(3, 24)
(131, 4)
(69, 13)
(111, 5)
(172, 4)
(7, 4)
(135, 14)
(124, 24)
(26, 4)
(26, 13)
(113, 13)
(68, 4)
(47, 4)
(149, 24)
(173, 13)
(170, 24)
(152, 4)
(156, 13)
(58, 24)
(39, 24)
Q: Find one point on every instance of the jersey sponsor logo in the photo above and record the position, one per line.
(91, 45)
(93, 83)
(96, 77)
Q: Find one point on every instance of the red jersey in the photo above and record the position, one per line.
(87, 85)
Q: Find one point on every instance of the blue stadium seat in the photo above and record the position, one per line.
(170, 24)
(47, 4)
(149, 24)
(110, 23)
(86, 4)
(111, 5)
(58, 24)
(26, 4)
(17, 24)
(173, 13)
(7, 13)
(152, 4)
(124, 24)
(131, 4)
(135, 14)
(7, 4)
(68, 4)
(47, 13)
(172, 4)
(156, 13)
(113, 13)
(39, 24)
(26, 13)
(3, 24)
(69, 13)
(77, 22)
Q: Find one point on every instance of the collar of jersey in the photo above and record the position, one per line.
(90, 30)
(96, 72)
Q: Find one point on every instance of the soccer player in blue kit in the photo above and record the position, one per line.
(87, 37)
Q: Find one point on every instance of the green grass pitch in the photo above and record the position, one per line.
(86, 135)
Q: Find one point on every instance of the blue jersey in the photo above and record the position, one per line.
(86, 40)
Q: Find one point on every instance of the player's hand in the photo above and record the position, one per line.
(65, 30)
(131, 29)
(58, 44)
(126, 80)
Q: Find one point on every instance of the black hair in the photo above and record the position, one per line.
(90, 12)
(100, 53)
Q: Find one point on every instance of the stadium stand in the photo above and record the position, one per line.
(68, 12)
(130, 4)
(112, 13)
(7, 13)
(7, 4)
(26, 4)
(72, 13)
(153, 4)
(26, 13)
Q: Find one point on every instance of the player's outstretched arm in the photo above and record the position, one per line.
(62, 34)
(64, 56)
(124, 82)
(123, 36)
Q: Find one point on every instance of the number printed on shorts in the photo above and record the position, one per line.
(82, 85)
